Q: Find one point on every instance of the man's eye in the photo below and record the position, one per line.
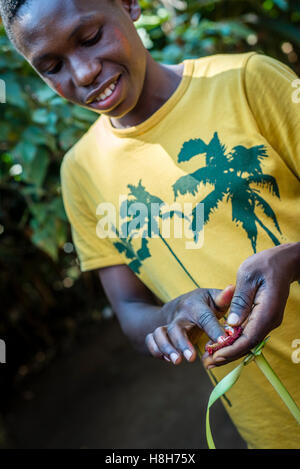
(93, 40)
(55, 69)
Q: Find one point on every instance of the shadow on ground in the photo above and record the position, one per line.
(102, 394)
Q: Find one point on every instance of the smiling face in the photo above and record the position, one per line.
(87, 50)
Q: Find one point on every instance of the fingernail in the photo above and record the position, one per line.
(211, 366)
(167, 359)
(233, 319)
(187, 353)
(174, 357)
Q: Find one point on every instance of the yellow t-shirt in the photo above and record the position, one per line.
(228, 137)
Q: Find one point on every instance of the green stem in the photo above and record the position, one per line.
(278, 386)
(229, 380)
(214, 379)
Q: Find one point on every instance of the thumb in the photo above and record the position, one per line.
(241, 304)
(224, 298)
(209, 314)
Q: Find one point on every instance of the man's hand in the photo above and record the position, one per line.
(261, 293)
(194, 312)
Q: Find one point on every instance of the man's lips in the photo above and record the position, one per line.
(107, 103)
(98, 91)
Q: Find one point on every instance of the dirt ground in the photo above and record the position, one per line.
(102, 394)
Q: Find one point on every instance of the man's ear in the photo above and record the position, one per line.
(133, 8)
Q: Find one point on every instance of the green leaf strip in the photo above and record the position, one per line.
(270, 374)
(229, 380)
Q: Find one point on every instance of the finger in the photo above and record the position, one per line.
(223, 299)
(208, 321)
(179, 338)
(152, 347)
(243, 298)
(208, 360)
(165, 346)
(265, 316)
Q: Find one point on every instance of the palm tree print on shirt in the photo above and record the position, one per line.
(125, 246)
(232, 174)
(149, 224)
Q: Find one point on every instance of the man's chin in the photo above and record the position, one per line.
(116, 114)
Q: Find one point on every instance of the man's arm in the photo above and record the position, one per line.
(137, 308)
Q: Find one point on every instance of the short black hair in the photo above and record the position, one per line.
(8, 11)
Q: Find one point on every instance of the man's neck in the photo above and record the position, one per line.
(161, 82)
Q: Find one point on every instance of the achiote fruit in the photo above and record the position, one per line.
(232, 333)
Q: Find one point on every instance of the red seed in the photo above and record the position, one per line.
(232, 333)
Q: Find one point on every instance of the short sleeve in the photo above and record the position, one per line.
(92, 252)
(273, 92)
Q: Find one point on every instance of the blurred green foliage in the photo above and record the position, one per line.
(204, 27)
(38, 267)
(45, 299)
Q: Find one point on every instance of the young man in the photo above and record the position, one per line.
(222, 131)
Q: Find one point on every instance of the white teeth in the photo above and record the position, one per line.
(107, 92)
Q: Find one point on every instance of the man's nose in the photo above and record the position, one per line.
(85, 71)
